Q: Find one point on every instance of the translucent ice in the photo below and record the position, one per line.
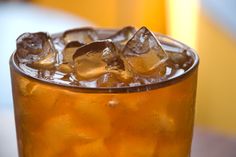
(144, 53)
(69, 51)
(96, 59)
(121, 37)
(82, 35)
(36, 49)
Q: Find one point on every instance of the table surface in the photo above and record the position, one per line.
(205, 143)
(211, 144)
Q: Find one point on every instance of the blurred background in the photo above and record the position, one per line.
(208, 26)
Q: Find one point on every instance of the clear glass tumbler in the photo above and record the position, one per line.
(154, 120)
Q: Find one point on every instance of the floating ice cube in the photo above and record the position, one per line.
(82, 35)
(121, 37)
(96, 59)
(36, 49)
(69, 51)
(144, 53)
(128, 145)
(93, 149)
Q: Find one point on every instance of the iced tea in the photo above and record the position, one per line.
(103, 93)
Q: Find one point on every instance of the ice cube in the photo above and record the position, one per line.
(58, 42)
(58, 133)
(149, 123)
(138, 147)
(65, 68)
(144, 53)
(96, 59)
(63, 129)
(82, 35)
(69, 51)
(177, 63)
(47, 62)
(92, 116)
(109, 80)
(156, 122)
(25, 87)
(164, 121)
(59, 128)
(36, 49)
(33, 144)
(121, 37)
(92, 149)
(128, 145)
(181, 60)
(34, 110)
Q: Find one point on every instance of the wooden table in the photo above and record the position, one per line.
(210, 144)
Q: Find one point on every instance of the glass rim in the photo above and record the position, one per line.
(126, 89)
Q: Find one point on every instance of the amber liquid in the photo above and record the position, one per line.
(54, 121)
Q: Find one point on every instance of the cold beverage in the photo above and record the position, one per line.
(103, 93)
